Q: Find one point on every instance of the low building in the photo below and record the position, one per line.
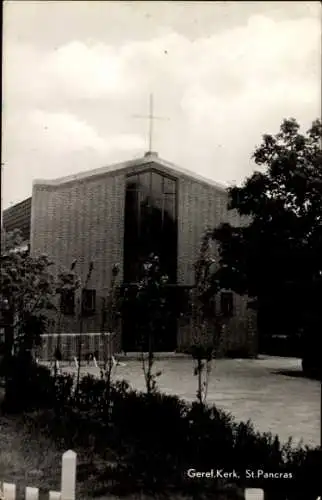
(18, 217)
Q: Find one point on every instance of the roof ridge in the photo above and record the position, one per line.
(114, 167)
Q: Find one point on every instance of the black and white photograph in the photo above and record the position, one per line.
(161, 250)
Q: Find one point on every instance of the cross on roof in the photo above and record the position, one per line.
(151, 117)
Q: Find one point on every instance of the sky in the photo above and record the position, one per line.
(76, 74)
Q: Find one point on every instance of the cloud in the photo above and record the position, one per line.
(221, 93)
(86, 71)
(64, 132)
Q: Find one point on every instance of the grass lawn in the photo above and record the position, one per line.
(28, 458)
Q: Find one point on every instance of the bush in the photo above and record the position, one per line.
(157, 437)
(31, 386)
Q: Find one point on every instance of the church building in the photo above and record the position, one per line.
(120, 214)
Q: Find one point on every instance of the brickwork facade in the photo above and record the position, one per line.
(83, 218)
(18, 217)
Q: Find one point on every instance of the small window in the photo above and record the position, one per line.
(145, 182)
(67, 302)
(169, 186)
(227, 304)
(88, 302)
(157, 184)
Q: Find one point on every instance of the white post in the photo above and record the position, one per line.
(95, 362)
(54, 495)
(68, 476)
(76, 362)
(9, 491)
(254, 494)
(32, 493)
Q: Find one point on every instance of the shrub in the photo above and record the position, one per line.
(152, 429)
(31, 386)
(91, 394)
(210, 439)
(157, 437)
(26, 384)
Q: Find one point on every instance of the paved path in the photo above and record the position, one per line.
(270, 391)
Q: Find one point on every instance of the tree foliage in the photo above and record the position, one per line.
(152, 309)
(277, 257)
(29, 290)
(206, 322)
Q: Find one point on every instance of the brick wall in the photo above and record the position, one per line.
(199, 206)
(18, 217)
(83, 219)
(202, 206)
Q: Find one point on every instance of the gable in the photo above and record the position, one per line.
(148, 161)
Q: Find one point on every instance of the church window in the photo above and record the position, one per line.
(67, 302)
(150, 223)
(88, 302)
(227, 304)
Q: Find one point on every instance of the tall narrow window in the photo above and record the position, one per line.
(150, 227)
(67, 302)
(227, 304)
(88, 302)
(150, 223)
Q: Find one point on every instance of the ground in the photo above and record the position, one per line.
(270, 391)
(26, 460)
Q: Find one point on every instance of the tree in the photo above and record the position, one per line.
(154, 307)
(80, 319)
(11, 240)
(28, 296)
(206, 323)
(111, 317)
(27, 289)
(152, 310)
(67, 283)
(276, 258)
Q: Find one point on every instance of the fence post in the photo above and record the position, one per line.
(32, 493)
(9, 491)
(54, 495)
(68, 475)
(254, 494)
